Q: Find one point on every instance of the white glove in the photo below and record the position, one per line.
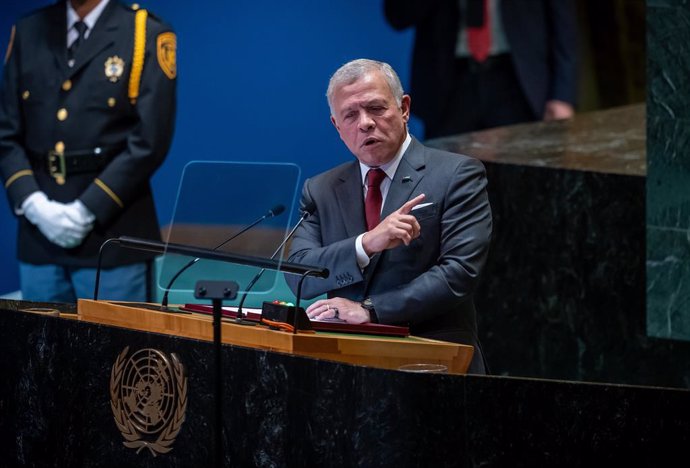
(79, 213)
(63, 225)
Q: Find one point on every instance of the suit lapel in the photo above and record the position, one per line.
(351, 200)
(57, 37)
(102, 36)
(410, 172)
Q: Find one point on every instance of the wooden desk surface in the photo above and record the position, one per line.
(374, 351)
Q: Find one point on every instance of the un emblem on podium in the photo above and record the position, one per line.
(148, 396)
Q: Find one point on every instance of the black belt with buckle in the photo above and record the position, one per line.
(60, 165)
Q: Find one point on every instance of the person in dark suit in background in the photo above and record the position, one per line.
(404, 230)
(486, 63)
(86, 116)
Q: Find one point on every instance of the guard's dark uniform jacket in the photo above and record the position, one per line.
(96, 131)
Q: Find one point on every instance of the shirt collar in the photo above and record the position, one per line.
(89, 19)
(390, 167)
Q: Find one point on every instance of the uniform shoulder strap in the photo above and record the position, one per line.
(138, 55)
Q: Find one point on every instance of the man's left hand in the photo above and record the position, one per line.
(338, 307)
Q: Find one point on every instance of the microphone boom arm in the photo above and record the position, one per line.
(270, 264)
(251, 284)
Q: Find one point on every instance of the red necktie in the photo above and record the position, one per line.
(372, 204)
(479, 38)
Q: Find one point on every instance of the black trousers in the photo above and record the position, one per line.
(486, 95)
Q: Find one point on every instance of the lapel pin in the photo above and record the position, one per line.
(407, 179)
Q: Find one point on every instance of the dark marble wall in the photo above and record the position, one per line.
(562, 283)
(563, 295)
(281, 410)
(668, 146)
(563, 291)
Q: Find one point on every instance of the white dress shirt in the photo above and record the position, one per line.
(389, 168)
(89, 20)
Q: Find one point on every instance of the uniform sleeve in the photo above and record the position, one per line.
(17, 176)
(465, 237)
(128, 174)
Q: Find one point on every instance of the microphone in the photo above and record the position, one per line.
(275, 211)
(307, 211)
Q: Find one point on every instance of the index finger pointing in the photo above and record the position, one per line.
(407, 207)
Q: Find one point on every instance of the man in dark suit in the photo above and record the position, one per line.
(486, 63)
(86, 117)
(404, 230)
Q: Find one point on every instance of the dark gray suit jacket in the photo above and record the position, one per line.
(427, 285)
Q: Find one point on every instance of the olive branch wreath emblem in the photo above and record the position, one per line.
(132, 432)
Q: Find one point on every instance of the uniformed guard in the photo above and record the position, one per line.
(86, 116)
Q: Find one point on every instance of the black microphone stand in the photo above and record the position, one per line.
(217, 291)
(98, 266)
(299, 295)
(305, 215)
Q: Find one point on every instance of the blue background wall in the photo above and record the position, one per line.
(252, 76)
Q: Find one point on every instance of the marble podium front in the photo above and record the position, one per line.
(563, 292)
(56, 409)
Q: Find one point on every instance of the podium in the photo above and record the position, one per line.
(360, 349)
(60, 405)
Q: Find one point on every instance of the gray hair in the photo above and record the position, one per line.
(356, 69)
